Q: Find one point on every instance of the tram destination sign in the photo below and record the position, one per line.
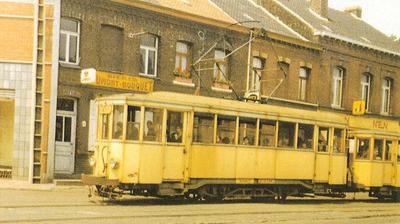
(115, 80)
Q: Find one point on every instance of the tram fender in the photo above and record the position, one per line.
(93, 180)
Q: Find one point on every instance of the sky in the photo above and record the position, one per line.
(382, 14)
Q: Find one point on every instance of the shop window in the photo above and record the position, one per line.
(303, 79)
(153, 119)
(323, 139)
(104, 126)
(174, 126)
(363, 149)
(386, 94)
(247, 131)
(338, 136)
(389, 146)
(148, 54)
(182, 60)
(226, 128)
(378, 149)
(220, 67)
(203, 128)
(267, 133)
(366, 89)
(118, 118)
(337, 86)
(133, 123)
(286, 134)
(305, 136)
(69, 41)
(255, 79)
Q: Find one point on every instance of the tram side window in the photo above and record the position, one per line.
(305, 136)
(104, 126)
(338, 135)
(247, 131)
(378, 149)
(133, 123)
(388, 150)
(363, 149)
(203, 128)
(153, 129)
(286, 134)
(226, 127)
(323, 139)
(174, 126)
(118, 117)
(267, 133)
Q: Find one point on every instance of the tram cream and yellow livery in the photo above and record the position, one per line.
(176, 145)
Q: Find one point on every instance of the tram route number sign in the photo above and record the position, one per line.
(359, 107)
(115, 80)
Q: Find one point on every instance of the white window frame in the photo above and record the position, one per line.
(147, 49)
(303, 79)
(366, 85)
(68, 39)
(337, 87)
(180, 55)
(219, 57)
(255, 79)
(386, 92)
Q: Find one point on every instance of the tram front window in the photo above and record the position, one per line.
(305, 136)
(118, 118)
(363, 149)
(133, 123)
(226, 129)
(203, 128)
(338, 140)
(378, 149)
(153, 124)
(174, 126)
(323, 139)
(247, 131)
(388, 150)
(267, 133)
(286, 134)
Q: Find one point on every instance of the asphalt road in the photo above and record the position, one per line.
(71, 205)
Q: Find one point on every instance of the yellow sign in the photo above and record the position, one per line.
(114, 80)
(380, 124)
(358, 108)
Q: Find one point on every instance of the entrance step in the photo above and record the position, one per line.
(68, 182)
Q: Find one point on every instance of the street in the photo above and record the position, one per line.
(71, 205)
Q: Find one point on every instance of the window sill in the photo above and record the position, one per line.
(69, 65)
(337, 107)
(183, 82)
(149, 76)
(221, 87)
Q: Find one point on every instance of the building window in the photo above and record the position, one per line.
(386, 90)
(337, 87)
(69, 41)
(220, 71)
(182, 60)
(258, 66)
(303, 77)
(148, 54)
(366, 89)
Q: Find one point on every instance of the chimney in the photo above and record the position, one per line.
(320, 7)
(354, 10)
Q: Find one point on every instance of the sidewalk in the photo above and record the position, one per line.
(24, 185)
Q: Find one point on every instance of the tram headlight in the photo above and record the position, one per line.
(114, 164)
(92, 161)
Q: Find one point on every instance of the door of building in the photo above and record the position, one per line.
(65, 136)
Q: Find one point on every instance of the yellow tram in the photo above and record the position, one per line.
(176, 145)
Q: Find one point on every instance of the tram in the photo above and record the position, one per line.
(167, 144)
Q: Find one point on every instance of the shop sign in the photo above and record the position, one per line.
(359, 107)
(115, 80)
(380, 124)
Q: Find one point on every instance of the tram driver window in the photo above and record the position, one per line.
(305, 136)
(133, 123)
(286, 134)
(338, 140)
(203, 128)
(247, 131)
(323, 139)
(153, 124)
(104, 126)
(388, 150)
(174, 127)
(118, 118)
(378, 149)
(267, 133)
(363, 149)
(226, 129)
